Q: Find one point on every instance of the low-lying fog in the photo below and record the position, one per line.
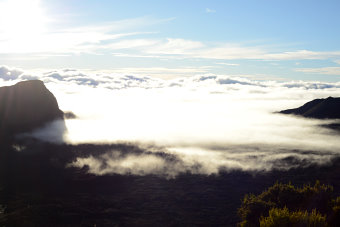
(205, 123)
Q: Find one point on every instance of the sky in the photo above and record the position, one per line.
(261, 40)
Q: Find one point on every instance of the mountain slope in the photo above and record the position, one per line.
(25, 106)
(328, 108)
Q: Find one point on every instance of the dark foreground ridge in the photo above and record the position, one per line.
(328, 108)
(25, 106)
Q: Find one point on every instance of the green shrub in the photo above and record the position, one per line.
(334, 219)
(294, 200)
(284, 218)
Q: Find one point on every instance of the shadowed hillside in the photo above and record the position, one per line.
(25, 106)
(318, 108)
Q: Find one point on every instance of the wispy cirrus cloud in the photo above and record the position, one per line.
(302, 55)
(208, 10)
(132, 44)
(136, 38)
(183, 48)
(323, 70)
(115, 36)
(227, 64)
(81, 39)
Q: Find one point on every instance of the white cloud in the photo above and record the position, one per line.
(324, 70)
(296, 55)
(155, 77)
(130, 164)
(131, 44)
(84, 39)
(235, 51)
(9, 74)
(181, 48)
(175, 47)
(163, 72)
(227, 64)
(208, 10)
(204, 122)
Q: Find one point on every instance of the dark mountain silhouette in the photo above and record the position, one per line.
(25, 106)
(328, 108)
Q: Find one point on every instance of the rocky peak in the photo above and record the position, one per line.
(328, 108)
(25, 106)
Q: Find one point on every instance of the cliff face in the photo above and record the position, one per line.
(25, 106)
(318, 108)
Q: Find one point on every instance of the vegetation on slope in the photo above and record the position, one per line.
(287, 205)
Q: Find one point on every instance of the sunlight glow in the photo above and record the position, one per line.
(22, 24)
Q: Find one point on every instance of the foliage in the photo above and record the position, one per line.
(290, 205)
(283, 217)
(335, 217)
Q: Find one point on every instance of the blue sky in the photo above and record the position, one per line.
(280, 40)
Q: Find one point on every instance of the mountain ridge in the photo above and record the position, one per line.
(328, 108)
(25, 106)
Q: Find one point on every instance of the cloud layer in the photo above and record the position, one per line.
(200, 124)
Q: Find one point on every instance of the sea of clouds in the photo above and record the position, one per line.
(199, 124)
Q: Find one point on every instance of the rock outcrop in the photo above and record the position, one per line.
(328, 108)
(25, 106)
